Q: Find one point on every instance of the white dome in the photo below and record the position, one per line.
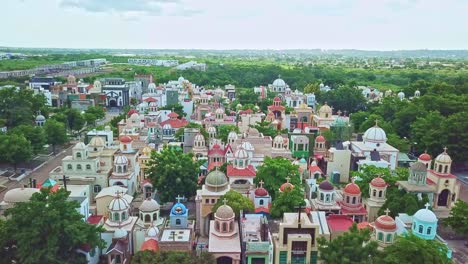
(247, 146)
(149, 205)
(96, 142)
(181, 79)
(19, 195)
(425, 215)
(219, 111)
(241, 154)
(279, 83)
(40, 118)
(121, 160)
(79, 145)
(152, 231)
(211, 129)
(118, 204)
(152, 86)
(278, 139)
(375, 134)
(443, 158)
(401, 95)
(120, 233)
(199, 137)
(97, 84)
(232, 135)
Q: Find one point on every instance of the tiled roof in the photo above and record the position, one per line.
(249, 171)
(175, 123)
(94, 219)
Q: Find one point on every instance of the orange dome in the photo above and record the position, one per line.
(320, 138)
(378, 182)
(277, 99)
(352, 188)
(131, 112)
(261, 192)
(286, 186)
(150, 244)
(385, 222)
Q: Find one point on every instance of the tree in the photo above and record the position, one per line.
(223, 131)
(345, 99)
(49, 229)
(399, 201)
(266, 128)
(274, 171)
(367, 173)
(178, 108)
(19, 106)
(15, 149)
(404, 248)
(354, 246)
(35, 135)
(287, 201)
(56, 133)
(458, 219)
(312, 88)
(173, 173)
(178, 134)
(236, 201)
(170, 257)
(97, 111)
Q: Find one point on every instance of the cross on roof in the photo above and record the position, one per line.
(261, 183)
(287, 179)
(225, 201)
(445, 149)
(179, 198)
(376, 122)
(387, 211)
(427, 205)
(118, 193)
(339, 112)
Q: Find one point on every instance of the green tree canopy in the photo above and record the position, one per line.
(458, 219)
(49, 229)
(274, 171)
(367, 173)
(56, 133)
(35, 135)
(15, 148)
(412, 249)
(353, 246)
(223, 131)
(20, 106)
(344, 98)
(173, 173)
(236, 201)
(180, 132)
(287, 201)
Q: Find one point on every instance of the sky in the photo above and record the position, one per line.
(235, 24)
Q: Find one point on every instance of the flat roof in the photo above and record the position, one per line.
(176, 235)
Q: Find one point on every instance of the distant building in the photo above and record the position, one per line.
(117, 92)
(192, 65)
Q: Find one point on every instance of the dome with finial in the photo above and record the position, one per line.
(276, 99)
(146, 151)
(151, 86)
(178, 209)
(125, 139)
(199, 137)
(425, 215)
(320, 139)
(352, 188)
(326, 186)
(443, 157)
(260, 191)
(375, 134)
(425, 156)
(279, 82)
(287, 186)
(149, 205)
(385, 222)
(224, 212)
(241, 153)
(378, 182)
(278, 139)
(118, 204)
(120, 160)
(325, 108)
(418, 166)
(40, 118)
(211, 129)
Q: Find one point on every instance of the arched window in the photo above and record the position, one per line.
(124, 216)
(147, 218)
(429, 229)
(374, 192)
(217, 226)
(119, 169)
(178, 222)
(440, 168)
(260, 202)
(78, 167)
(88, 167)
(69, 167)
(347, 199)
(231, 226)
(380, 236)
(380, 193)
(446, 169)
(141, 217)
(327, 198)
(354, 200)
(78, 155)
(225, 227)
(155, 217)
(321, 196)
(116, 217)
(420, 229)
(389, 238)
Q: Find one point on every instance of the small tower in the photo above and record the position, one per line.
(126, 144)
(320, 146)
(443, 163)
(232, 137)
(179, 214)
(418, 173)
(211, 132)
(262, 199)
(425, 223)
(426, 159)
(80, 151)
(40, 119)
(149, 211)
(224, 220)
(417, 93)
(377, 190)
(385, 229)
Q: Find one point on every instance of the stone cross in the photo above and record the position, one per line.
(427, 205)
(179, 198)
(387, 211)
(445, 149)
(339, 112)
(376, 122)
(287, 179)
(261, 183)
(225, 201)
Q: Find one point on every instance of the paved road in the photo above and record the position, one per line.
(40, 174)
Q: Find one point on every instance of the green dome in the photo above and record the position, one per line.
(216, 179)
(339, 121)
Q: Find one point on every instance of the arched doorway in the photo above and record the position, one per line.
(119, 184)
(224, 260)
(112, 102)
(443, 198)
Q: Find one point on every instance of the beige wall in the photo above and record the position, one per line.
(341, 162)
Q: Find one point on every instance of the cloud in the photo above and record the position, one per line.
(131, 8)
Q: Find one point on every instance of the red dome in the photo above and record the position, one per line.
(173, 115)
(131, 112)
(277, 99)
(320, 138)
(385, 222)
(425, 157)
(125, 139)
(378, 182)
(261, 192)
(216, 146)
(352, 188)
(285, 186)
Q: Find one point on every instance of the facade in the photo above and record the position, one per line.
(257, 244)
(377, 191)
(117, 92)
(326, 199)
(178, 234)
(351, 204)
